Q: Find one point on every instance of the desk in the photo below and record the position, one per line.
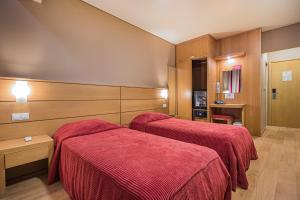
(228, 107)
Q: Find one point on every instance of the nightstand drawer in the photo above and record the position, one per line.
(27, 156)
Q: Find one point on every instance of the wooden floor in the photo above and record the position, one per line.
(275, 175)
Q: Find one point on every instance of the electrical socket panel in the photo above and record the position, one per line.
(20, 116)
(229, 95)
(164, 105)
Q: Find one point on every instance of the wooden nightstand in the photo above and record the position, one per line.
(18, 152)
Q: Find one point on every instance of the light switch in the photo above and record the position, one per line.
(164, 105)
(20, 116)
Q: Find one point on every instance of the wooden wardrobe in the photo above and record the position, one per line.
(203, 47)
(209, 49)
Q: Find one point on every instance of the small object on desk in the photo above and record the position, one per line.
(219, 102)
(28, 139)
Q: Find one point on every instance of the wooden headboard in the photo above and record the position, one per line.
(135, 101)
(52, 104)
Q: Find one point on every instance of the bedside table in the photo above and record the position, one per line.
(18, 152)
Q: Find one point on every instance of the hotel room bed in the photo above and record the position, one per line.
(99, 160)
(233, 144)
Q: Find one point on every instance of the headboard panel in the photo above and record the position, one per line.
(52, 104)
(135, 101)
(54, 91)
(22, 129)
(137, 93)
(47, 110)
(140, 105)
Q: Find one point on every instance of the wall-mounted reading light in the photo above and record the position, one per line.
(164, 94)
(21, 91)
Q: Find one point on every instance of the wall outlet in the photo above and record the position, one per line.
(20, 116)
(229, 95)
(164, 105)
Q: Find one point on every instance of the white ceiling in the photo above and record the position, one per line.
(179, 20)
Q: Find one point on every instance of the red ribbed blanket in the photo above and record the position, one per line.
(98, 160)
(233, 144)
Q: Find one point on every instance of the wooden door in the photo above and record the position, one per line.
(184, 89)
(284, 94)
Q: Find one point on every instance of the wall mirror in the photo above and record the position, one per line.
(232, 81)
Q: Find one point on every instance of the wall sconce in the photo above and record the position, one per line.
(21, 90)
(230, 60)
(164, 94)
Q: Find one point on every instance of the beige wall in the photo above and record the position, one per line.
(69, 40)
(287, 54)
(281, 38)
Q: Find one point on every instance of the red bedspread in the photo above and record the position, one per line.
(98, 160)
(233, 144)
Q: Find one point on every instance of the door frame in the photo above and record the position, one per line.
(269, 97)
(269, 88)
